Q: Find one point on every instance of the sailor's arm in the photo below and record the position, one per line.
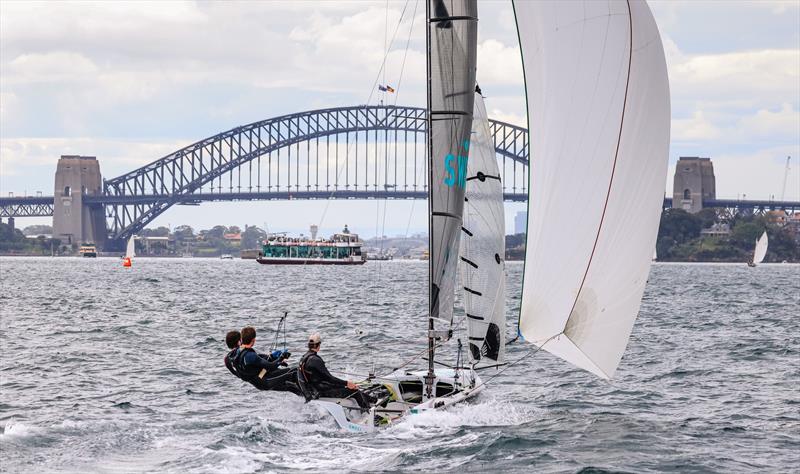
(324, 375)
(254, 360)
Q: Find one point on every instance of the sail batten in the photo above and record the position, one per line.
(598, 110)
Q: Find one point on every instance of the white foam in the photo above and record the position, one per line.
(490, 412)
(14, 429)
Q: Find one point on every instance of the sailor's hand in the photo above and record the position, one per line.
(286, 355)
(351, 385)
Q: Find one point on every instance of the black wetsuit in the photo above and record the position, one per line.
(229, 361)
(264, 373)
(327, 385)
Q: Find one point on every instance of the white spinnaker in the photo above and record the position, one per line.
(483, 246)
(761, 248)
(599, 120)
(130, 252)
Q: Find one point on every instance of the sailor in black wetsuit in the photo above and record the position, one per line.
(232, 340)
(264, 373)
(318, 379)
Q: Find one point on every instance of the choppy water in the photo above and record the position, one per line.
(111, 369)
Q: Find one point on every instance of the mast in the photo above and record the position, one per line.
(451, 43)
(429, 378)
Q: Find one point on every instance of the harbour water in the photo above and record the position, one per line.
(108, 369)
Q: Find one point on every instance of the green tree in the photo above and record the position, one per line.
(677, 227)
(782, 245)
(217, 232)
(252, 237)
(157, 232)
(184, 233)
(38, 230)
(708, 217)
(745, 234)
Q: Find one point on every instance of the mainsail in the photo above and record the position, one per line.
(761, 248)
(452, 36)
(599, 120)
(130, 252)
(483, 246)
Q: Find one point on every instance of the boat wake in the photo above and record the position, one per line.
(488, 413)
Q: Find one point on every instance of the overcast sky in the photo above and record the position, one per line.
(131, 82)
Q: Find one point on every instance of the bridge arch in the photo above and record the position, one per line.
(369, 152)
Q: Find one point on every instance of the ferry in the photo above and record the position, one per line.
(88, 250)
(342, 249)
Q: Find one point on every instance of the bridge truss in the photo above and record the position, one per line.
(362, 152)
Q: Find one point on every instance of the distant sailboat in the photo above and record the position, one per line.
(130, 252)
(760, 251)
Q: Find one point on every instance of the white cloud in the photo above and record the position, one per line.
(755, 76)
(23, 155)
(766, 123)
(499, 64)
(696, 128)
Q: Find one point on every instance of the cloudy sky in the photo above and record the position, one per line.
(131, 82)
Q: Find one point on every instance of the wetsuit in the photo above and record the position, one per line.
(264, 373)
(229, 361)
(327, 385)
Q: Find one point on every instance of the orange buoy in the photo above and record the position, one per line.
(126, 262)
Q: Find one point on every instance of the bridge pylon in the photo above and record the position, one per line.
(74, 220)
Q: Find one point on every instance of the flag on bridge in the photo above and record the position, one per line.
(386, 88)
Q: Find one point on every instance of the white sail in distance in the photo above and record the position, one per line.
(483, 246)
(761, 248)
(599, 121)
(130, 251)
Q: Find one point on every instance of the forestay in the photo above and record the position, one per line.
(599, 119)
(453, 45)
(761, 248)
(483, 246)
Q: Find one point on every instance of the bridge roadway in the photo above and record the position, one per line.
(42, 206)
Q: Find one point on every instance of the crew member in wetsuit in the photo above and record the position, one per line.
(317, 376)
(262, 372)
(232, 340)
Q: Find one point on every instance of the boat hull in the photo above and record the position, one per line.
(350, 418)
(303, 261)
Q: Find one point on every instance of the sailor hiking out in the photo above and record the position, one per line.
(316, 381)
(232, 340)
(264, 373)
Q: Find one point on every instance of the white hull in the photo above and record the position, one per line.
(405, 399)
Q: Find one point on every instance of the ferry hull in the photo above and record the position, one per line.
(301, 261)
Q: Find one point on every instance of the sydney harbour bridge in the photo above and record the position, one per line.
(359, 152)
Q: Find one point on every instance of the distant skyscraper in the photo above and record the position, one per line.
(521, 222)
